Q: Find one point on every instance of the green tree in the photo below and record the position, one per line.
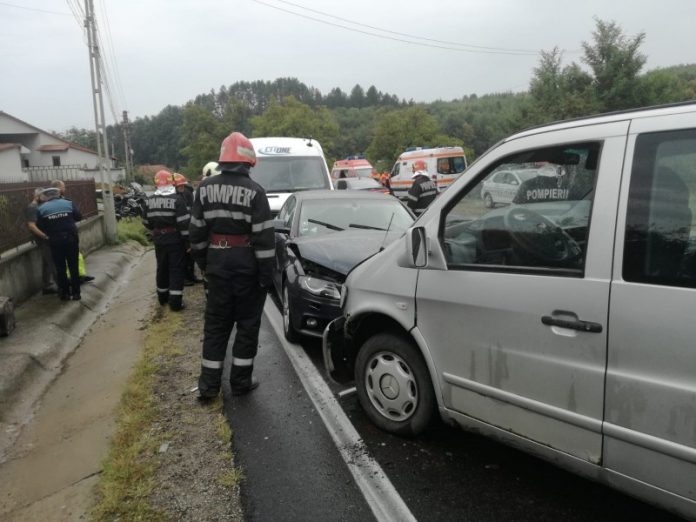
(82, 137)
(615, 62)
(295, 119)
(201, 134)
(396, 130)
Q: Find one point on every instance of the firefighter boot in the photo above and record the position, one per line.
(209, 383)
(241, 380)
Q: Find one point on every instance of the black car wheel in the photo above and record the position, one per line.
(394, 386)
(288, 329)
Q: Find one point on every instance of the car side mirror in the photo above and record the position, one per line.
(280, 227)
(417, 247)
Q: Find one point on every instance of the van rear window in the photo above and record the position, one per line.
(290, 174)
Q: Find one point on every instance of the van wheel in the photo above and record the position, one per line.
(393, 385)
(488, 200)
(288, 329)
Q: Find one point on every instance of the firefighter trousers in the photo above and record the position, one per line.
(171, 267)
(230, 304)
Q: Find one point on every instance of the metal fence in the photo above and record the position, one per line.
(68, 172)
(15, 197)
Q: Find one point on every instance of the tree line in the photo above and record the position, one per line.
(380, 126)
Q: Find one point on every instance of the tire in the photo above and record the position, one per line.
(288, 329)
(488, 200)
(394, 386)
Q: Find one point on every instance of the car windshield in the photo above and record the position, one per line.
(327, 216)
(290, 174)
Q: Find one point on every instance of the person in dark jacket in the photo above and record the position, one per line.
(185, 191)
(233, 243)
(168, 218)
(48, 269)
(57, 218)
(423, 191)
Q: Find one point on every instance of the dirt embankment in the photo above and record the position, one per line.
(171, 458)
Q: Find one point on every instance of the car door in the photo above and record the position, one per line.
(516, 322)
(650, 419)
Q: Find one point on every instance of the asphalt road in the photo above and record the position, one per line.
(294, 471)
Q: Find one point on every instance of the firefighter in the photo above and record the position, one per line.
(185, 191)
(385, 180)
(168, 220)
(211, 169)
(233, 243)
(423, 191)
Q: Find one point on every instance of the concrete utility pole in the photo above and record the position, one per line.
(126, 144)
(102, 146)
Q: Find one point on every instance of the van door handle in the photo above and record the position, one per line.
(572, 324)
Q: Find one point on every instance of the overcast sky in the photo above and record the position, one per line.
(168, 51)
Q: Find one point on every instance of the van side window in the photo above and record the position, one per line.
(660, 244)
(541, 222)
(395, 170)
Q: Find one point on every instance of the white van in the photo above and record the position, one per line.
(286, 165)
(445, 165)
(561, 321)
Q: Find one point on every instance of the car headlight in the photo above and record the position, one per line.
(320, 287)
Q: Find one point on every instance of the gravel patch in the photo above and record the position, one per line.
(196, 478)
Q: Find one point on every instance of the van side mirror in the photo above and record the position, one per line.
(417, 247)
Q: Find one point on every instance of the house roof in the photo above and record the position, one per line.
(60, 147)
(68, 143)
(8, 146)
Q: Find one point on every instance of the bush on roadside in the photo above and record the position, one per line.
(132, 228)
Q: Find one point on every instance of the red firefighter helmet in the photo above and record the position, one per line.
(420, 165)
(236, 148)
(179, 179)
(164, 178)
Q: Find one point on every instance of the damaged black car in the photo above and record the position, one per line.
(320, 236)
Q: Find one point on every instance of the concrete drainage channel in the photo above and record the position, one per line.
(48, 331)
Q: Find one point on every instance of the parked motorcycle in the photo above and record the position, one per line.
(131, 203)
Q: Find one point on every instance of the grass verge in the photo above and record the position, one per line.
(128, 471)
(132, 228)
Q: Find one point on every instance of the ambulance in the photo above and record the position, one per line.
(352, 167)
(287, 165)
(445, 165)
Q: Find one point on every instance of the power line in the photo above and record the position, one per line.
(61, 13)
(384, 37)
(112, 52)
(447, 42)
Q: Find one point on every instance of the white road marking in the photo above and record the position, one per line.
(347, 391)
(380, 494)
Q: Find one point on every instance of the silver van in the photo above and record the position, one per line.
(562, 323)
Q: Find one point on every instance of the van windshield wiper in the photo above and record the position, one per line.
(327, 225)
(366, 227)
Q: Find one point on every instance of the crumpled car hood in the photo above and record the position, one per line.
(341, 251)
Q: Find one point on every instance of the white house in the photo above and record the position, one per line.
(28, 153)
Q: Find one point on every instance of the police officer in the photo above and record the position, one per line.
(56, 221)
(168, 219)
(233, 242)
(423, 191)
